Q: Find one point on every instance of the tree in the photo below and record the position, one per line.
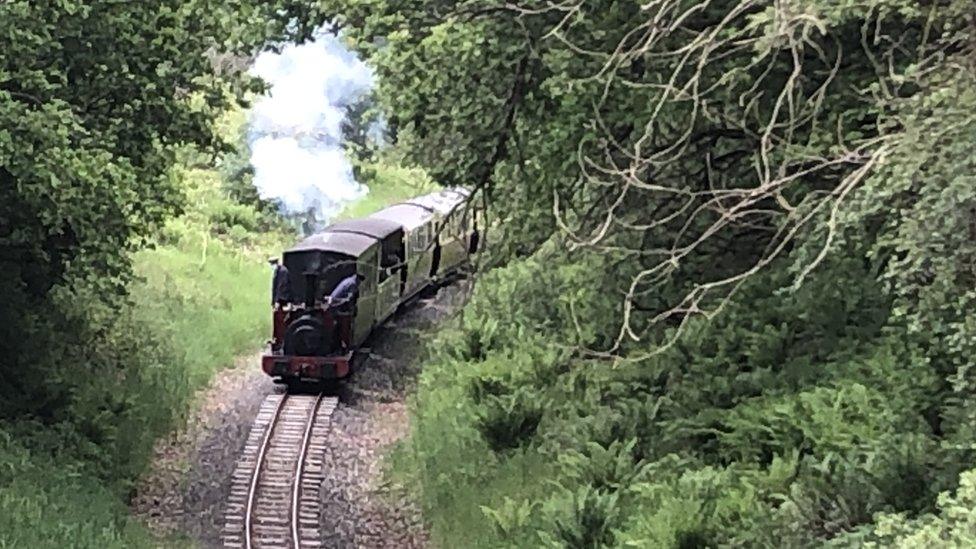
(360, 135)
(700, 140)
(95, 100)
(802, 166)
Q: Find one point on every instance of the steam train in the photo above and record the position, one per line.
(398, 252)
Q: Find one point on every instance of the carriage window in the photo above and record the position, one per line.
(391, 256)
(419, 239)
(384, 271)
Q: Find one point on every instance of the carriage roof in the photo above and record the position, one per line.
(346, 243)
(374, 227)
(409, 216)
(443, 202)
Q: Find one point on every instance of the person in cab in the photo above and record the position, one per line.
(343, 297)
(280, 287)
(342, 301)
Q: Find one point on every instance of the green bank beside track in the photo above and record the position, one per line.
(131, 367)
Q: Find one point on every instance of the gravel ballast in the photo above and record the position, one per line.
(183, 495)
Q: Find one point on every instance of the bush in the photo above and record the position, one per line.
(584, 518)
(955, 526)
(100, 374)
(57, 502)
(683, 504)
(228, 216)
(608, 469)
(511, 519)
(98, 369)
(509, 420)
(757, 428)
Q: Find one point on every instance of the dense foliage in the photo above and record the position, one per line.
(739, 239)
(739, 234)
(109, 127)
(95, 100)
(199, 298)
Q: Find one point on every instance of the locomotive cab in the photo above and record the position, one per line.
(314, 339)
(386, 265)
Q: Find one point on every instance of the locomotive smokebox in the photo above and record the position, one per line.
(311, 279)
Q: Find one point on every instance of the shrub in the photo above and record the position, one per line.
(226, 215)
(608, 468)
(583, 518)
(99, 368)
(55, 502)
(511, 518)
(955, 526)
(509, 420)
(764, 426)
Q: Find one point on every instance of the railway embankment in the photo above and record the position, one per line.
(66, 478)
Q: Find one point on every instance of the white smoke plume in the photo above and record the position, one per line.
(296, 130)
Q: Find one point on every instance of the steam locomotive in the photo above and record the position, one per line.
(397, 252)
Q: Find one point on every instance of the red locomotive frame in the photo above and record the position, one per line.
(308, 368)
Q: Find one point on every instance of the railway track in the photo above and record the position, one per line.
(274, 495)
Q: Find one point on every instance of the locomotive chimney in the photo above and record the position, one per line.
(311, 278)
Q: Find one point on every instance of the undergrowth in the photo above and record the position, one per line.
(128, 368)
(758, 428)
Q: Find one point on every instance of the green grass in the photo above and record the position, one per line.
(49, 502)
(212, 308)
(390, 184)
(460, 519)
(215, 305)
(208, 307)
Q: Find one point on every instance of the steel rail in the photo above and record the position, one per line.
(257, 471)
(299, 470)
